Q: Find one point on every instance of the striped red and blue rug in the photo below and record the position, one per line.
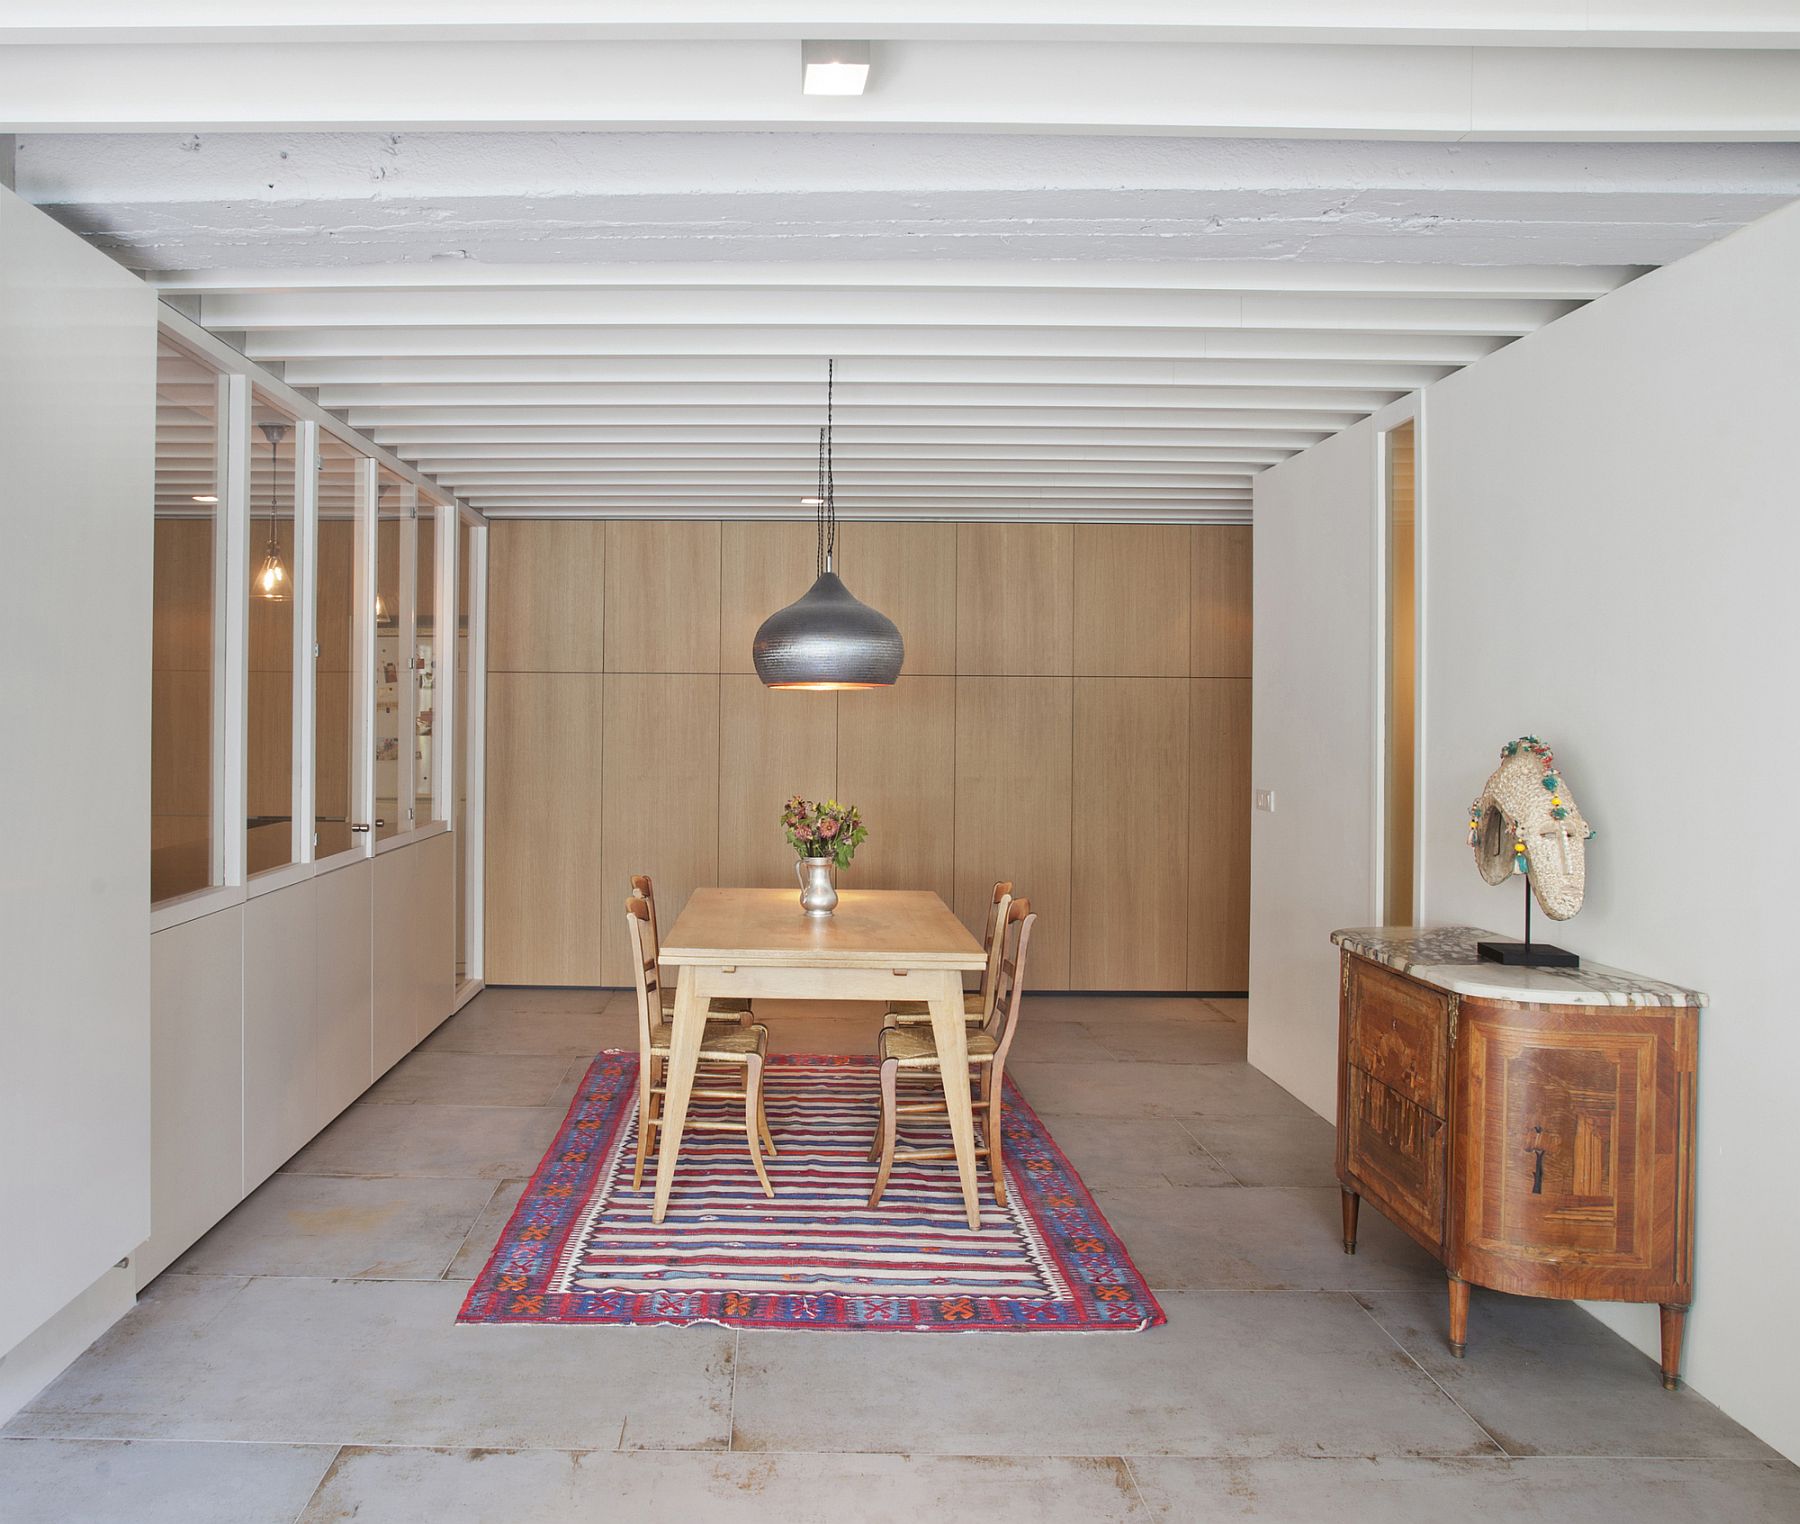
(581, 1247)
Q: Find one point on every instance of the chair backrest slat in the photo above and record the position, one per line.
(992, 944)
(1015, 939)
(646, 891)
(645, 974)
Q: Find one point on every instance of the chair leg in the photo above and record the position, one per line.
(880, 1123)
(752, 1111)
(995, 1162)
(889, 1124)
(646, 1118)
(762, 1126)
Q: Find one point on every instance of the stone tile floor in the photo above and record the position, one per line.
(302, 1363)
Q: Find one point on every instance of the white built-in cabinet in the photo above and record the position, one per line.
(268, 1018)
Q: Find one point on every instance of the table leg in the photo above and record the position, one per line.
(950, 1028)
(684, 1058)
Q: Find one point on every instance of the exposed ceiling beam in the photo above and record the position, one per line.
(1324, 417)
(1223, 88)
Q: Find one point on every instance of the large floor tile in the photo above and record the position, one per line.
(1057, 1042)
(1545, 1378)
(1260, 1237)
(481, 1142)
(472, 1079)
(1121, 1010)
(1232, 1373)
(551, 1487)
(1118, 1151)
(346, 1227)
(1294, 1148)
(480, 1028)
(70, 1481)
(478, 1243)
(1195, 1041)
(1387, 1491)
(381, 1362)
(1179, 1091)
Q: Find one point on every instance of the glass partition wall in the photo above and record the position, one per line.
(303, 587)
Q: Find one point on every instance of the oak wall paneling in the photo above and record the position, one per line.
(1131, 594)
(1130, 834)
(991, 758)
(1013, 600)
(660, 803)
(550, 577)
(896, 761)
(1013, 806)
(662, 596)
(772, 743)
(1218, 942)
(762, 567)
(908, 571)
(543, 828)
(1221, 601)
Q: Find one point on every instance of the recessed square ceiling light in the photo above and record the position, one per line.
(834, 68)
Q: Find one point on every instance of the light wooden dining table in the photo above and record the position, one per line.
(880, 944)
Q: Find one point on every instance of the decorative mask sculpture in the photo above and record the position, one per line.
(1526, 822)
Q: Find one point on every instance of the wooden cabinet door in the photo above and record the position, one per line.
(1398, 1032)
(1567, 1160)
(1394, 1151)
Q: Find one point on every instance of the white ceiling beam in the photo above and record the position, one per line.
(1538, 282)
(1508, 23)
(533, 439)
(447, 459)
(715, 308)
(335, 344)
(899, 370)
(1226, 89)
(1252, 415)
(1236, 511)
(556, 401)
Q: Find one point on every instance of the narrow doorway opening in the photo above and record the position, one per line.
(1400, 628)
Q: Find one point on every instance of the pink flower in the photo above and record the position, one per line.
(828, 828)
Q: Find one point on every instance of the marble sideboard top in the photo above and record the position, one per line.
(1445, 956)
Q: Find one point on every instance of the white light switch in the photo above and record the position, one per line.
(1265, 799)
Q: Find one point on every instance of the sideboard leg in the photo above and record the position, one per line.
(1459, 1316)
(1351, 1202)
(1674, 1323)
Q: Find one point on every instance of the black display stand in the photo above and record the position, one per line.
(1528, 954)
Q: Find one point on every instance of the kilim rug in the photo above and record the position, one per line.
(581, 1247)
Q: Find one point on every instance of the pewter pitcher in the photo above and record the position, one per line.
(817, 896)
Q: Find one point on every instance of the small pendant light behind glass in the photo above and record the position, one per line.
(828, 639)
(272, 582)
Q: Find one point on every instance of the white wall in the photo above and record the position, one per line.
(77, 390)
(1612, 521)
(1313, 701)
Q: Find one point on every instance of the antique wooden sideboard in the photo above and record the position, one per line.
(1533, 1128)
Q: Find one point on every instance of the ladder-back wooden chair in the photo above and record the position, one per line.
(722, 1049)
(978, 1004)
(912, 1051)
(721, 1010)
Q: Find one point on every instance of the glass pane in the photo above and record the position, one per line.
(465, 540)
(341, 511)
(270, 760)
(425, 663)
(187, 517)
(394, 508)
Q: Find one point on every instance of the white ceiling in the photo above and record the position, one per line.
(1067, 269)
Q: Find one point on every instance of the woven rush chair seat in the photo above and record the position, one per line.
(912, 1012)
(721, 1046)
(916, 1047)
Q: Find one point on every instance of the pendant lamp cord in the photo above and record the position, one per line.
(827, 511)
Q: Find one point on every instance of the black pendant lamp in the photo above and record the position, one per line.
(829, 639)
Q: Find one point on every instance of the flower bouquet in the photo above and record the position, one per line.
(825, 829)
